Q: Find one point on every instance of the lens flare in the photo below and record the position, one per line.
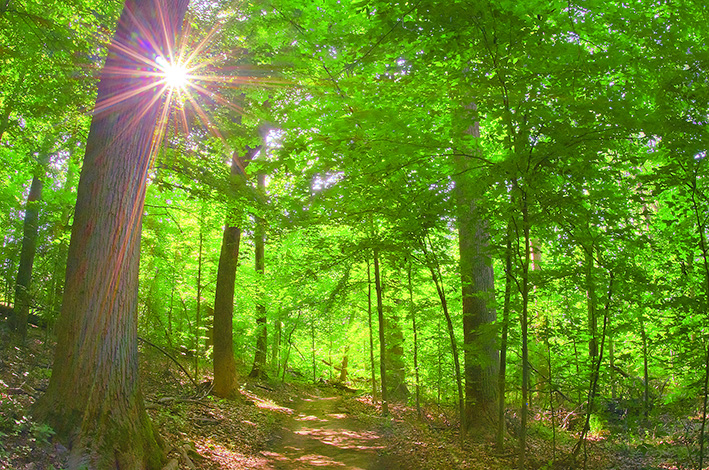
(174, 74)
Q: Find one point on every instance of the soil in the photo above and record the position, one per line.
(271, 425)
(321, 434)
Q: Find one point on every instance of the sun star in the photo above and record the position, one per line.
(175, 75)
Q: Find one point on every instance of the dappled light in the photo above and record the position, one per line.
(354, 235)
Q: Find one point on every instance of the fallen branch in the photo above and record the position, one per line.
(170, 357)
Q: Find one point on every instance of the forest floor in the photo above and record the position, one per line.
(270, 425)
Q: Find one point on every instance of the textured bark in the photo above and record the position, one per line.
(225, 379)
(259, 367)
(480, 346)
(93, 400)
(29, 248)
(395, 363)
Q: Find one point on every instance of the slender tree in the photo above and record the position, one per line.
(382, 340)
(259, 366)
(29, 248)
(222, 326)
(94, 400)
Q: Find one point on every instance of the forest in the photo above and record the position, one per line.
(361, 234)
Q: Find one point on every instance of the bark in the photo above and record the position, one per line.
(382, 340)
(225, 379)
(259, 367)
(395, 364)
(93, 400)
(29, 248)
(480, 345)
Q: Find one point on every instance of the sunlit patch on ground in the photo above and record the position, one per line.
(227, 458)
(343, 438)
(266, 404)
(319, 461)
(303, 417)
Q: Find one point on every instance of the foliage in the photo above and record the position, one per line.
(594, 113)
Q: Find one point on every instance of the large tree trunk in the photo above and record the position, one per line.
(480, 343)
(259, 367)
(222, 331)
(93, 399)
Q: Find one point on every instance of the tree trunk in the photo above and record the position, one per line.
(382, 341)
(93, 399)
(477, 278)
(29, 248)
(276, 346)
(222, 330)
(591, 304)
(523, 324)
(198, 316)
(412, 310)
(371, 334)
(437, 278)
(701, 231)
(503, 342)
(345, 357)
(259, 367)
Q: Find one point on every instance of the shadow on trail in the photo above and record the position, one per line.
(321, 435)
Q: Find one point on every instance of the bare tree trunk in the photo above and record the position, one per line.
(276, 347)
(477, 280)
(198, 316)
(382, 341)
(94, 399)
(503, 342)
(29, 248)
(259, 367)
(222, 326)
(701, 231)
(434, 268)
(412, 310)
(525, 336)
(371, 334)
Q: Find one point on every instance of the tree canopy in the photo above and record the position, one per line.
(491, 205)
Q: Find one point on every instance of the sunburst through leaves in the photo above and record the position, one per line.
(188, 81)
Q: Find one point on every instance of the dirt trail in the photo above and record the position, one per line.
(321, 435)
